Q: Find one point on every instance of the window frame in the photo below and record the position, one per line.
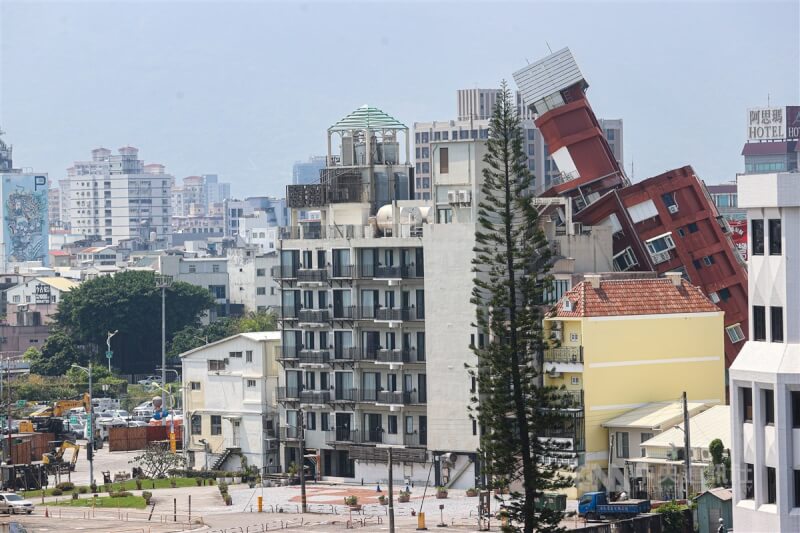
(757, 236)
(216, 425)
(776, 324)
(774, 242)
(444, 160)
(759, 323)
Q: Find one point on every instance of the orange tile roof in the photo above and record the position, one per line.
(656, 296)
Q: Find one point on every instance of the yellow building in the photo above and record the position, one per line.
(623, 343)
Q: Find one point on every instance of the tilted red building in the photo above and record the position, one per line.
(665, 223)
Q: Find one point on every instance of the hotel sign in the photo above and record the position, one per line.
(793, 122)
(766, 124)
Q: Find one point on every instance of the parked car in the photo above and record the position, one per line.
(15, 504)
(149, 380)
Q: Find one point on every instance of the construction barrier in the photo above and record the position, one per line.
(124, 439)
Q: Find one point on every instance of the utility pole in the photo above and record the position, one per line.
(687, 451)
(303, 500)
(391, 493)
(109, 352)
(162, 282)
(90, 424)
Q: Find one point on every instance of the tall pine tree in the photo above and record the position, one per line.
(511, 265)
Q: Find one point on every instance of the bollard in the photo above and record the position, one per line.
(260, 504)
(421, 522)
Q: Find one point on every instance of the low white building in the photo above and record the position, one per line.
(230, 406)
(33, 302)
(765, 377)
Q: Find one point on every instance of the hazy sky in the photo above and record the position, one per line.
(244, 89)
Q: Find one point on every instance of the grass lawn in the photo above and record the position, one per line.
(147, 484)
(130, 502)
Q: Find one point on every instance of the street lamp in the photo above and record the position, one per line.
(162, 282)
(109, 353)
(90, 431)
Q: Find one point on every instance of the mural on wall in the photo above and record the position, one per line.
(25, 218)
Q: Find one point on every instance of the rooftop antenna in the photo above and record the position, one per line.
(767, 99)
(633, 173)
(548, 47)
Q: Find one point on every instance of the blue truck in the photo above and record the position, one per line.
(595, 505)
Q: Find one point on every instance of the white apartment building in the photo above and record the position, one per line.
(265, 209)
(230, 409)
(475, 107)
(251, 283)
(118, 198)
(765, 377)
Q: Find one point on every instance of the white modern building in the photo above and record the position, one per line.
(230, 408)
(765, 377)
(251, 282)
(117, 198)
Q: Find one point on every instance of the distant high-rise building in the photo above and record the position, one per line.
(197, 195)
(306, 172)
(272, 211)
(54, 207)
(476, 104)
(116, 198)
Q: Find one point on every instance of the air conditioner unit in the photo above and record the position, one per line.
(673, 208)
(452, 197)
(465, 197)
(22, 307)
(714, 297)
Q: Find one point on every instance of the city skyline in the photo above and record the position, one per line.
(198, 88)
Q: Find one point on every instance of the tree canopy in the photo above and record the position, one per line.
(195, 336)
(131, 303)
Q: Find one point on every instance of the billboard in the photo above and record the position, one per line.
(25, 228)
(739, 236)
(793, 122)
(765, 124)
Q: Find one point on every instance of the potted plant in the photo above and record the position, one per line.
(441, 493)
(404, 496)
(352, 502)
(383, 500)
(292, 471)
(472, 492)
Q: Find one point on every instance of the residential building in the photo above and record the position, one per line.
(765, 378)
(661, 471)
(230, 409)
(659, 336)
(54, 207)
(6, 155)
(103, 256)
(307, 172)
(665, 223)
(725, 197)
(197, 195)
(272, 211)
(251, 282)
(63, 203)
(474, 111)
(117, 198)
(34, 301)
(627, 434)
(216, 191)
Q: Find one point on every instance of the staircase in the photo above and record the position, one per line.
(224, 457)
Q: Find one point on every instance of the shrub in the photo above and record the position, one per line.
(173, 483)
(93, 488)
(66, 486)
(74, 495)
(121, 494)
(351, 500)
(138, 484)
(228, 499)
(223, 487)
(83, 490)
(57, 492)
(672, 517)
(147, 495)
(199, 481)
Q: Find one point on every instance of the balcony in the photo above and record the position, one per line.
(289, 353)
(384, 397)
(365, 313)
(341, 312)
(288, 394)
(284, 272)
(569, 430)
(397, 314)
(312, 275)
(370, 271)
(564, 354)
(341, 435)
(290, 312)
(314, 357)
(344, 395)
(367, 353)
(290, 433)
(342, 271)
(344, 355)
(316, 397)
(314, 316)
(568, 399)
(416, 439)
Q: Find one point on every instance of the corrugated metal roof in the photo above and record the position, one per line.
(768, 148)
(715, 423)
(366, 117)
(547, 76)
(62, 284)
(653, 415)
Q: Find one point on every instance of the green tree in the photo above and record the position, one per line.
(258, 321)
(131, 303)
(57, 355)
(511, 264)
(673, 517)
(718, 473)
(194, 336)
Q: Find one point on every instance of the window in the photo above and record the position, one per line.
(625, 260)
(409, 425)
(724, 294)
(216, 364)
(795, 399)
(531, 134)
(392, 424)
(215, 268)
(776, 323)
(426, 168)
(769, 406)
(248, 356)
(251, 383)
(216, 425)
(622, 444)
(261, 291)
(194, 385)
(192, 269)
(774, 236)
(444, 160)
(445, 216)
(692, 227)
(659, 244)
(610, 135)
(708, 260)
(217, 291)
(749, 483)
(576, 380)
(796, 488)
(236, 355)
(771, 492)
(747, 404)
(261, 272)
(324, 421)
(16, 299)
(759, 323)
(669, 200)
(197, 424)
(735, 333)
(444, 135)
(681, 232)
(697, 264)
(311, 421)
(757, 236)
(645, 437)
